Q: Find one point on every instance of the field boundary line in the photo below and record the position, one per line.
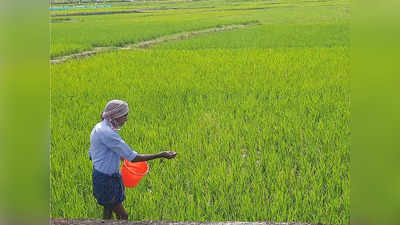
(185, 35)
(120, 222)
(97, 13)
(149, 43)
(128, 11)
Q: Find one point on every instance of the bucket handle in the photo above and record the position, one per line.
(136, 173)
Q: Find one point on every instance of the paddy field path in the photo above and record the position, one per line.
(117, 222)
(149, 43)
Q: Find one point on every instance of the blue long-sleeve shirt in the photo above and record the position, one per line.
(107, 147)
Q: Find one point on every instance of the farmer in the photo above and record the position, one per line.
(106, 150)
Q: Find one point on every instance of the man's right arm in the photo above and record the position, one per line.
(147, 157)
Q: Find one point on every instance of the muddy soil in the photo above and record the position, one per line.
(116, 222)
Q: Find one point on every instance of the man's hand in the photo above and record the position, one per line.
(169, 154)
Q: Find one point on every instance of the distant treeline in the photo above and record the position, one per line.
(93, 1)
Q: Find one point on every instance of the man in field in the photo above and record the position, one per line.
(106, 150)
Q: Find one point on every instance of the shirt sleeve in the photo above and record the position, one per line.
(114, 142)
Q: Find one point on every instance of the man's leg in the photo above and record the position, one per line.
(107, 213)
(120, 211)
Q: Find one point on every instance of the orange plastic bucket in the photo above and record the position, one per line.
(133, 172)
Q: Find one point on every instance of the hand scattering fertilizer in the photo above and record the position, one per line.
(133, 172)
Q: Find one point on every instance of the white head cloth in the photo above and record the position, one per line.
(115, 109)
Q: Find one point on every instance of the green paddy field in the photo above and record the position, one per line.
(259, 115)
